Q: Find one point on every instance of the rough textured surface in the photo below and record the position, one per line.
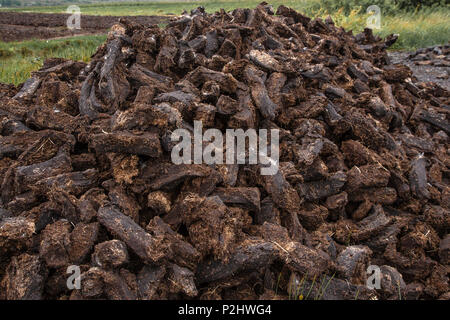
(87, 176)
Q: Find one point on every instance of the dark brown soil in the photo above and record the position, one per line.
(17, 26)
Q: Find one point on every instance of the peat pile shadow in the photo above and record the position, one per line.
(87, 177)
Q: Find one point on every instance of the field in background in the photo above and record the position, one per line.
(19, 59)
(417, 29)
(164, 7)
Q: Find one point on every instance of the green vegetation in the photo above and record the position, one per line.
(22, 3)
(419, 24)
(19, 59)
(165, 7)
(417, 28)
(389, 7)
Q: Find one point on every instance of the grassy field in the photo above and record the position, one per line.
(416, 29)
(19, 59)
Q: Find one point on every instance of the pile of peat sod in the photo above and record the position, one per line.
(87, 176)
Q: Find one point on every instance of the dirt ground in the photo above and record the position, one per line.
(435, 73)
(17, 26)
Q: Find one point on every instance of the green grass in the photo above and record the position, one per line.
(19, 59)
(162, 8)
(416, 29)
(427, 28)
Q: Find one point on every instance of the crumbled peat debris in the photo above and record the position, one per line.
(87, 178)
(436, 56)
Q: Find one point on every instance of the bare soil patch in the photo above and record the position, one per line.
(18, 26)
